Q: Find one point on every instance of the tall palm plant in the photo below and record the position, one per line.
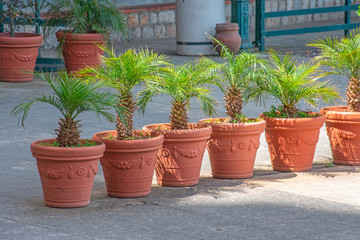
(239, 74)
(72, 96)
(86, 16)
(124, 72)
(342, 56)
(290, 82)
(181, 83)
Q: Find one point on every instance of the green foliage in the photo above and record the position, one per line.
(181, 83)
(72, 96)
(86, 16)
(241, 118)
(342, 56)
(17, 12)
(279, 112)
(84, 143)
(290, 82)
(127, 70)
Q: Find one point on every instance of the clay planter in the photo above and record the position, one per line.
(292, 142)
(80, 50)
(18, 56)
(180, 159)
(67, 174)
(343, 130)
(232, 147)
(228, 34)
(128, 165)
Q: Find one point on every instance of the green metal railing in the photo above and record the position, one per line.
(261, 16)
(42, 64)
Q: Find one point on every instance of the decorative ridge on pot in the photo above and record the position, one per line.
(30, 39)
(227, 26)
(298, 123)
(340, 113)
(80, 38)
(201, 132)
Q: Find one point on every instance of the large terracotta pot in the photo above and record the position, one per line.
(228, 34)
(232, 147)
(343, 129)
(18, 56)
(292, 142)
(80, 50)
(67, 174)
(128, 165)
(180, 159)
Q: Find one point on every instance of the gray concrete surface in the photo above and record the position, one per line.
(321, 204)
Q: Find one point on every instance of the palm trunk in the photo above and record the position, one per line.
(353, 95)
(68, 133)
(290, 110)
(178, 116)
(125, 129)
(233, 99)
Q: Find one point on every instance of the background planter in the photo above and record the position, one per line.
(128, 165)
(80, 50)
(343, 129)
(67, 174)
(228, 34)
(232, 148)
(18, 56)
(180, 159)
(292, 142)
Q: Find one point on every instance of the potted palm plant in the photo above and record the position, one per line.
(235, 139)
(130, 155)
(342, 57)
(18, 50)
(180, 159)
(67, 165)
(90, 23)
(292, 134)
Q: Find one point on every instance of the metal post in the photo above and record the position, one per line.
(347, 16)
(1, 13)
(240, 15)
(260, 25)
(37, 15)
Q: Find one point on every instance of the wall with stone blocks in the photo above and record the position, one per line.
(159, 22)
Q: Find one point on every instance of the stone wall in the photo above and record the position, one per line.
(159, 21)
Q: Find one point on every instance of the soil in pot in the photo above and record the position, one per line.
(80, 50)
(18, 56)
(67, 173)
(343, 130)
(128, 165)
(179, 161)
(292, 142)
(232, 147)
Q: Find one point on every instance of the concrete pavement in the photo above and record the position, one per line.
(321, 204)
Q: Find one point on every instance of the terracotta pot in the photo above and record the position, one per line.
(232, 148)
(228, 34)
(128, 165)
(80, 50)
(292, 142)
(343, 130)
(67, 174)
(18, 56)
(179, 162)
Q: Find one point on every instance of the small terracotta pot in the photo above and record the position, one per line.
(292, 142)
(128, 165)
(228, 34)
(232, 147)
(80, 50)
(179, 162)
(67, 174)
(18, 56)
(343, 130)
